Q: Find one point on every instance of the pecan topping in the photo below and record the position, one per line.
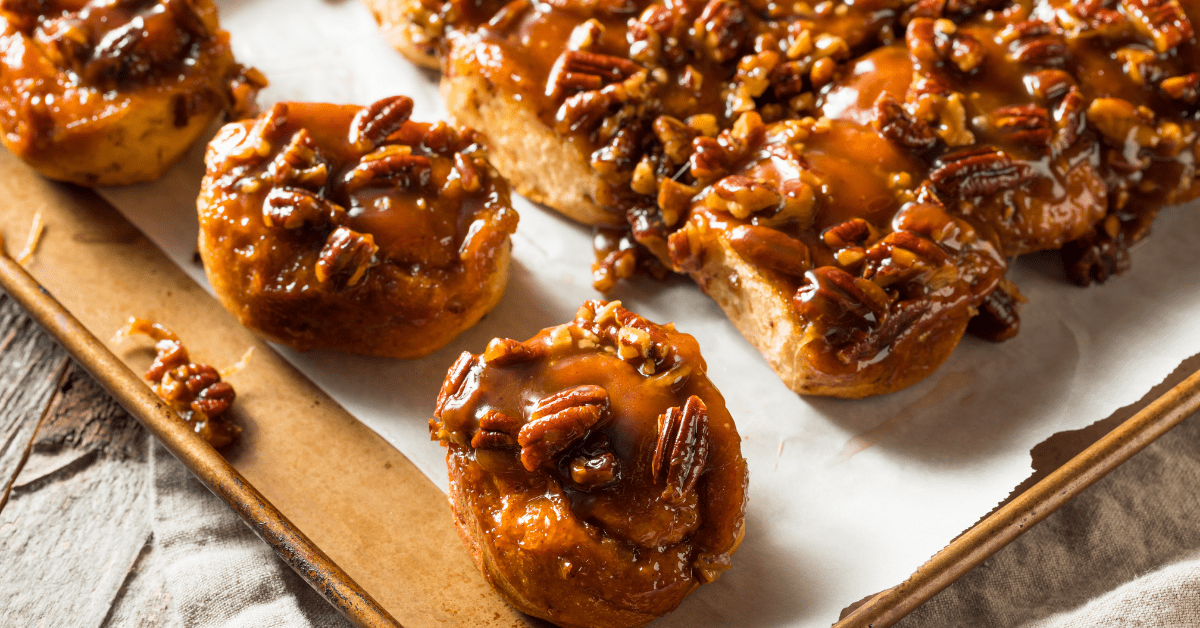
(722, 29)
(579, 70)
(999, 314)
(373, 125)
(936, 42)
(768, 248)
(345, 258)
(505, 351)
(682, 449)
(390, 164)
(595, 472)
(559, 421)
(1185, 88)
(195, 391)
(496, 431)
(845, 307)
(893, 122)
(1096, 258)
(1029, 124)
(978, 171)
(1036, 43)
(454, 380)
(300, 164)
(1164, 21)
(292, 208)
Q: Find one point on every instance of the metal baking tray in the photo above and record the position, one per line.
(339, 504)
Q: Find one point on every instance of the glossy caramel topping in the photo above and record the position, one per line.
(802, 138)
(615, 464)
(71, 66)
(325, 196)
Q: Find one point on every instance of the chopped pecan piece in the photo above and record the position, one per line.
(373, 125)
(345, 258)
(722, 29)
(300, 164)
(559, 421)
(682, 449)
(1096, 258)
(999, 315)
(978, 171)
(1164, 21)
(1185, 89)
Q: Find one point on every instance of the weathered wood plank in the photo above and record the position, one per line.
(30, 366)
(76, 520)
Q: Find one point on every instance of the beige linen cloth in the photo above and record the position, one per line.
(1125, 553)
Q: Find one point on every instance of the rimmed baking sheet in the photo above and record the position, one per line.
(847, 498)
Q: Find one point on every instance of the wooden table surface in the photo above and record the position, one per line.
(75, 491)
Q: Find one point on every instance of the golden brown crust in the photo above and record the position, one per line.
(80, 108)
(595, 474)
(398, 20)
(348, 228)
(543, 166)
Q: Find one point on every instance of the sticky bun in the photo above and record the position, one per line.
(595, 474)
(113, 92)
(354, 228)
(847, 179)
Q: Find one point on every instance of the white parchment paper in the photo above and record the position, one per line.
(846, 497)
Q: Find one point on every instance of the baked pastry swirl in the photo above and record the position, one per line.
(353, 228)
(115, 92)
(595, 474)
(847, 180)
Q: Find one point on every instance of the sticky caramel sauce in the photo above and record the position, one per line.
(437, 241)
(622, 541)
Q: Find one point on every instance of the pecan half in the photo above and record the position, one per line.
(559, 421)
(1029, 124)
(579, 70)
(893, 122)
(767, 248)
(292, 208)
(496, 431)
(1164, 21)
(391, 164)
(505, 351)
(373, 124)
(1036, 43)
(454, 381)
(843, 307)
(682, 449)
(345, 258)
(978, 171)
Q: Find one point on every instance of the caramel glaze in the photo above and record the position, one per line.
(108, 93)
(1026, 125)
(351, 228)
(579, 521)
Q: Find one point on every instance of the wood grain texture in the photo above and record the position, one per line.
(30, 365)
(76, 521)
